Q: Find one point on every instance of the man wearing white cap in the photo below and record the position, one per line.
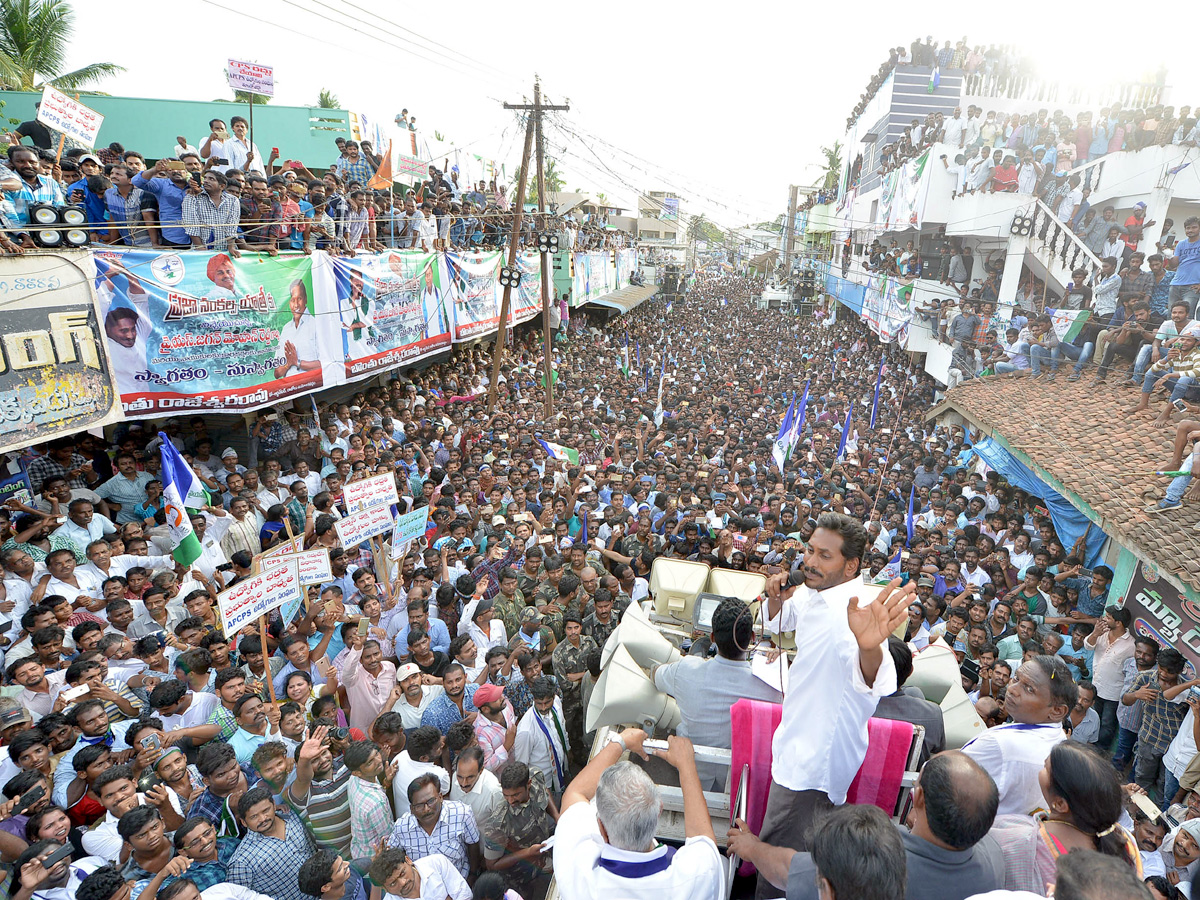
(412, 697)
(229, 466)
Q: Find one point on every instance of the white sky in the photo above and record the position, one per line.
(729, 104)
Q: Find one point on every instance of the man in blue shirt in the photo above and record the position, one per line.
(1186, 283)
(170, 186)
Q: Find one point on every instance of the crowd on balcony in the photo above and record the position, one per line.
(1004, 71)
(224, 195)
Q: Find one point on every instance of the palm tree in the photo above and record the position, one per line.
(34, 35)
(833, 165)
(327, 99)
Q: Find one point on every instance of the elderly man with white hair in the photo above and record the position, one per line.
(607, 849)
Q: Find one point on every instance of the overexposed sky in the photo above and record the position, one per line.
(725, 105)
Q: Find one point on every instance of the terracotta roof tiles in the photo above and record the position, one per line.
(1080, 435)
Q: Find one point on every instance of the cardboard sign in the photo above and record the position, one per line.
(355, 529)
(407, 529)
(251, 78)
(256, 596)
(370, 492)
(72, 118)
(313, 565)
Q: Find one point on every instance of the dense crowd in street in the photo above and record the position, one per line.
(417, 729)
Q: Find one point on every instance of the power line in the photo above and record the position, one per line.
(456, 52)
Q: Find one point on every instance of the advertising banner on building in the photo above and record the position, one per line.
(1161, 612)
(473, 283)
(55, 375)
(526, 300)
(194, 331)
(595, 276)
(391, 310)
(887, 308)
(902, 201)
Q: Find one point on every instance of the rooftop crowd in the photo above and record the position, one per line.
(428, 738)
(221, 193)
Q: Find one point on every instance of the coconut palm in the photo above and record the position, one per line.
(34, 36)
(327, 99)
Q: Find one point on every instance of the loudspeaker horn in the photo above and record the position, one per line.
(935, 672)
(644, 643)
(625, 695)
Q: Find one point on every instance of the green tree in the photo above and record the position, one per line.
(327, 99)
(554, 181)
(701, 229)
(34, 36)
(247, 97)
(833, 165)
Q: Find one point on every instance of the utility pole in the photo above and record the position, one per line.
(789, 231)
(533, 124)
(518, 212)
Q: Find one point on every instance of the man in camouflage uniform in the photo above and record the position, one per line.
(507, 605)
(570, 665)
(531, 573)
(533, 636)
(545, 595)
(602, 621)
(567, 600)
(514, 831)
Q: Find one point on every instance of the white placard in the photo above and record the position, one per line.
(251, 78)
(72, 118)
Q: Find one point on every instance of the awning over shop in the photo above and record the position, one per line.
(627, 298)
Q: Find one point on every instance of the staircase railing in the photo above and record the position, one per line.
(1064, 245)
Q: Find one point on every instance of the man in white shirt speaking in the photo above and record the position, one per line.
(842, 668)
(610, 850)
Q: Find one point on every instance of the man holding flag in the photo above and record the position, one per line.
(195, 534)
(782, 447)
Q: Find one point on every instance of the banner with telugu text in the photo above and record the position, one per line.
(391, 309)
(199, 330)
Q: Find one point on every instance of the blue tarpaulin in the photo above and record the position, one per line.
(1068, 521)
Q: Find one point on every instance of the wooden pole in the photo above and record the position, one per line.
(518, 213)
(547, 349)
(262, 634)
(264, 165)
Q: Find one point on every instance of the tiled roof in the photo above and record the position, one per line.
(1080, 436)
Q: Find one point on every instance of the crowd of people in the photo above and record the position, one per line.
(1004, 71)
(225, 195)
(417, 728)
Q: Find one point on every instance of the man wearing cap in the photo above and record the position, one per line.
(411, 696)
(495, 726)
(1134, 227)
(229, 466)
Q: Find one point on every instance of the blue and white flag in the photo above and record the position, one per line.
(908, 520)
(182, 491)
(558, 451)
(781, 447)
(845, 435)
(797, 428)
